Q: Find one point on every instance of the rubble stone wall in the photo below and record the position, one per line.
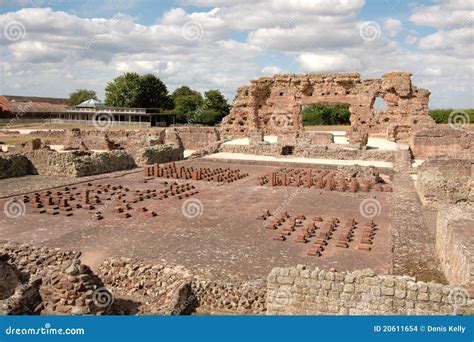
(192, 138)
(444, 180)
(130, 140)
(78, 163)
(32, 260)
(331, 151)
(455, 243)
(274, 104)
(210, 290)
(159, 288)
(159, 154)
(311, 291)
(228, 292)
(15, 165)
(442, 141)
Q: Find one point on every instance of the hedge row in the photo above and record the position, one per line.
(442, 115)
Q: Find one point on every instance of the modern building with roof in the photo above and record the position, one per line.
(91, 110)
(31, 107)
(56, 110)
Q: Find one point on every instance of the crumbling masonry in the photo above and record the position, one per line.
(274, 104)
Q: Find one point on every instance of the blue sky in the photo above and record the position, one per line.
(70, 44)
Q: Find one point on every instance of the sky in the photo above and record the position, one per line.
(52, 47)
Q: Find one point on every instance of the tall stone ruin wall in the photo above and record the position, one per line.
(274, 104)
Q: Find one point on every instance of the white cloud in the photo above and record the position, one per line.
(327, 62)
(445, 15)
(271, 70)
(410, 39)
(61, 51)
(392, 27)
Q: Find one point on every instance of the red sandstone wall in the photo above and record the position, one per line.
(192, 138)
(442, 141)
(273, 104)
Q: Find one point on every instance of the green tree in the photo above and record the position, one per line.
(80, 95)
(133, 90)
(208, 117)
(152, 93)
(186, 106)
(123, 91)
(191, 107)
(214, 100)
(319, 114)
(183, 91)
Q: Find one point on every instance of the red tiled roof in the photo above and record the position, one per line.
(32, 104)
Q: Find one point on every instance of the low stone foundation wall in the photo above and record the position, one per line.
(159, 154)
(42, 281)
(455, 243)
(156, 285)
(133, 141)
(78, 163)
(311, 291)
(32, 260)
(330, 151)
(192, 138)
(222, 291)
(55, 282)
(446, 180)
(15, 165)
(93, 139)
(306, 137)
(442, 141)
(209, 290)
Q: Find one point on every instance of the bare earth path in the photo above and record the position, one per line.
(414, 251)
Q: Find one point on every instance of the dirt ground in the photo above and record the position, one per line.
(216, 227)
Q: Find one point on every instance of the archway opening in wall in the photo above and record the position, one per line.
(380, 104)
(326, 116)
(379, 107)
